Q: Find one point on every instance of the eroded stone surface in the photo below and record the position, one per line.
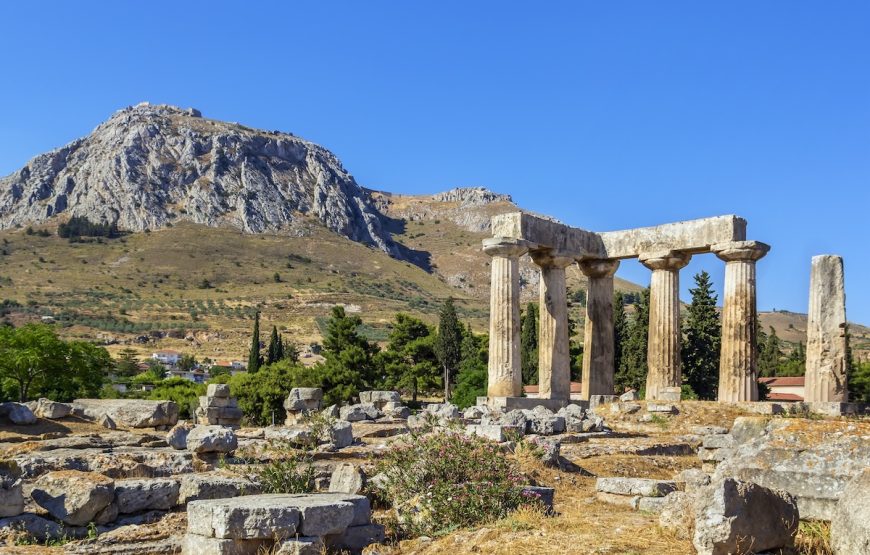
(73, 497)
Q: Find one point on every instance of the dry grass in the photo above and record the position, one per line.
(814, 538)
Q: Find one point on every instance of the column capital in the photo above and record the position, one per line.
(547, 258)
(506, 246)
(599, 267)
(664, 260)
(740, 250)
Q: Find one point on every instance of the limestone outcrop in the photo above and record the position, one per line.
(148, 167)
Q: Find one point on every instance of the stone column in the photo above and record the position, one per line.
(738, 376)
(827, 374)
(505, 373)
(554, 358)
(663, 350)
(598, 339)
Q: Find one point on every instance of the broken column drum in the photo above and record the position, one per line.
(827, 343)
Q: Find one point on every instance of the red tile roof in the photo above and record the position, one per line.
(782, 381)
(784, 397)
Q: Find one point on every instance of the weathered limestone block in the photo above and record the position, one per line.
(134, 495)
(355, 538)
(850, 522)
(347, 478)
(548, 448)
(176, 437)
(11, 498)
(211, 439)
(735, 517)
(128, 413)
(380, 398)
(52, 410)
(493, 432)
(475, 412)
(220, 390)
(302, 399)
(663, 353)
(598, 351)
(692, 479)
(446, 411)
(18, 413)
(214, 485)
(359, 412)
(300, 545)
(243, 518)
(811, 459)
(73, 497)
(340, 435)
(544, 424)
(296, 435)
(199, 545)
(827, 372)
(120, 462)
(34, 526)
(677, 514)
(644, 487)
(546, 496)
(505, 376)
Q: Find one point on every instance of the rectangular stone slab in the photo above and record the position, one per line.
(692, 236)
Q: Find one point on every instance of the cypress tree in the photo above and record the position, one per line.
(274, 347)
(620, 329)
(448, 343)
(770, 353)
(254, 358)
(633, 369)
(529, 344)
(702, 338)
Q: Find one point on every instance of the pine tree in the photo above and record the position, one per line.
(632, 371)
(409, 361)
(471, 381)
(448, 344)
(702, 337)
(529, 344)
(254, 358)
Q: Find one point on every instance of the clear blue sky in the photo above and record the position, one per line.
(606, 115)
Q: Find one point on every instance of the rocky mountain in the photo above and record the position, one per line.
(148, 167)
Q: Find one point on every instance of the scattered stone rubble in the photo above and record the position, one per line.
(641, 494)
(300, 402)
(18, 413)
(217, 408)
(375, 405)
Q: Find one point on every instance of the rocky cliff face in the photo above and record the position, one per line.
(148, 166)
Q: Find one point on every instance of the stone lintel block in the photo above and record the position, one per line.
(246, 517)
(645, 487)
(134, 495)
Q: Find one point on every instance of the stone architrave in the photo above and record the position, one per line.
(505, 374)
(827, 373)
(554, 359)
(598, 356)
(663, 350)
(738, 380)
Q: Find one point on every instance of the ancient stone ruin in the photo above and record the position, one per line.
(217, 408)
(664, 249)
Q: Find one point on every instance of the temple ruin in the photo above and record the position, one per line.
(665, 250)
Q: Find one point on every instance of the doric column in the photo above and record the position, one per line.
(554, 358)
(663, 350)
(598, 339)
(505, 373)
(738, 379)
(827, 374)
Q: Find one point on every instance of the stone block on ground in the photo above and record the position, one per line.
(295, 435)
(732, 516)
(617, 499)
(546, 496)
(630, 395)
(850, 521)
(33, 526)
(128, 413)
(176, 437)
(244, 518)
(214, 485)
(661, 408)
(355, 538)
(211, 439)
(218, 390)
(493, 432)
(340, 434)
(300, 545)
(52, 410)
(379, 398)
(11, 499)
(73, 497)
(359, 412)
(677, 514)
(475, 412)
(194, 544)
(693, 479)
(134, 495)
(645, 487)
(545, 424)
(18, 413)
(347, 478)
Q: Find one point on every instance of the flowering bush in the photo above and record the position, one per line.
(441, 481)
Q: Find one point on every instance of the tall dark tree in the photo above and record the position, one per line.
(409, 361)
(276, 349)
(448, 344)
(254, 358)
(633, 368)
(702, 339)
(529, 344)
(795, 363)
(471, 381)
(349, 364)
(620, 328)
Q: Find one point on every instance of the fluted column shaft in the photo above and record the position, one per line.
(827, 373)
(598, 355)
(664, 341)
(554, 358)
(738, 374)
(505, 372)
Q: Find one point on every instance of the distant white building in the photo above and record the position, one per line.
(169, 358)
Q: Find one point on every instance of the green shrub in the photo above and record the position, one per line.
(441, 481)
